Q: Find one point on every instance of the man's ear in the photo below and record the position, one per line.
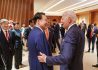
(38, 21)
(69, 20)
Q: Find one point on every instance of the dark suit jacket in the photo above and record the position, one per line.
(27, 31)
(56, 31)
(72, 49)
(50, 39)
(37, 43)
(7, 47)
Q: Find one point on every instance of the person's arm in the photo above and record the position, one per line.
(66, 55)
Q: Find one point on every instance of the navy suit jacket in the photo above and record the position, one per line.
(72, 49)
(37, 43)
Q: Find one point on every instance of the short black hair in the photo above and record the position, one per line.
(37, 16)
(14, 23)
(31, 21)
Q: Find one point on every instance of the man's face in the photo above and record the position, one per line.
(5, 25)
(43, 22)
(65, 21)
(32, 24)
(17, 26)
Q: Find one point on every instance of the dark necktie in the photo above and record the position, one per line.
(6, 35)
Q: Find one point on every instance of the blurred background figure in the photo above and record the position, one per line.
(23, 37)
(27, 31)
(18, 46)
(56, 36)
(83, 26)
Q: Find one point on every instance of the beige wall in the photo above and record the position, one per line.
(86, 16)
(96, 18)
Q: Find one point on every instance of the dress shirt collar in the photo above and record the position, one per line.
(4, 30)
(70, 26)
(39, 27)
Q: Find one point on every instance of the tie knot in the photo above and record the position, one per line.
(6, 31)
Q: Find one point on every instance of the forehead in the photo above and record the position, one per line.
(5, 23)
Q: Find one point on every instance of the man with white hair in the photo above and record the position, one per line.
(6, 45)
(72, 47)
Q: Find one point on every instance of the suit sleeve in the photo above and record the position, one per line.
(67, 51)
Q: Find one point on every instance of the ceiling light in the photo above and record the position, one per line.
(54, 5)
(71, 6)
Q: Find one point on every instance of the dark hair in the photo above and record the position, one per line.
(30, 21)
(37, 16)
(14, 23)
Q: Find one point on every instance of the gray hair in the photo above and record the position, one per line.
(70, 14)
(3, 20)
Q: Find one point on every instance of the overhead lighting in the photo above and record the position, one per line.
(52, 13)
(71, 6)
(84, 5)
(54, 5)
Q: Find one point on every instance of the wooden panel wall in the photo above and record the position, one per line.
(17, 10)
(94, 17)
(51, 18)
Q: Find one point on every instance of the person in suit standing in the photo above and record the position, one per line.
(18, 46)
(89, 36)
(56, 36)
(1, 59)
(72, 47)
(7, 44)
(37, 42)
(28, 29)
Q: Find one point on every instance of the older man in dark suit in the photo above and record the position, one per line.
(1, 59)
(6, 45)
(72, 47)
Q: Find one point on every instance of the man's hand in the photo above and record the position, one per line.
(42, 57)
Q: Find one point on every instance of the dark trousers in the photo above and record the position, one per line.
(2, 67)
(18, 56)
(6, 61)
(89, 43)
(97, 50)
(93, 43)
(10, 60)
(56, 42)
